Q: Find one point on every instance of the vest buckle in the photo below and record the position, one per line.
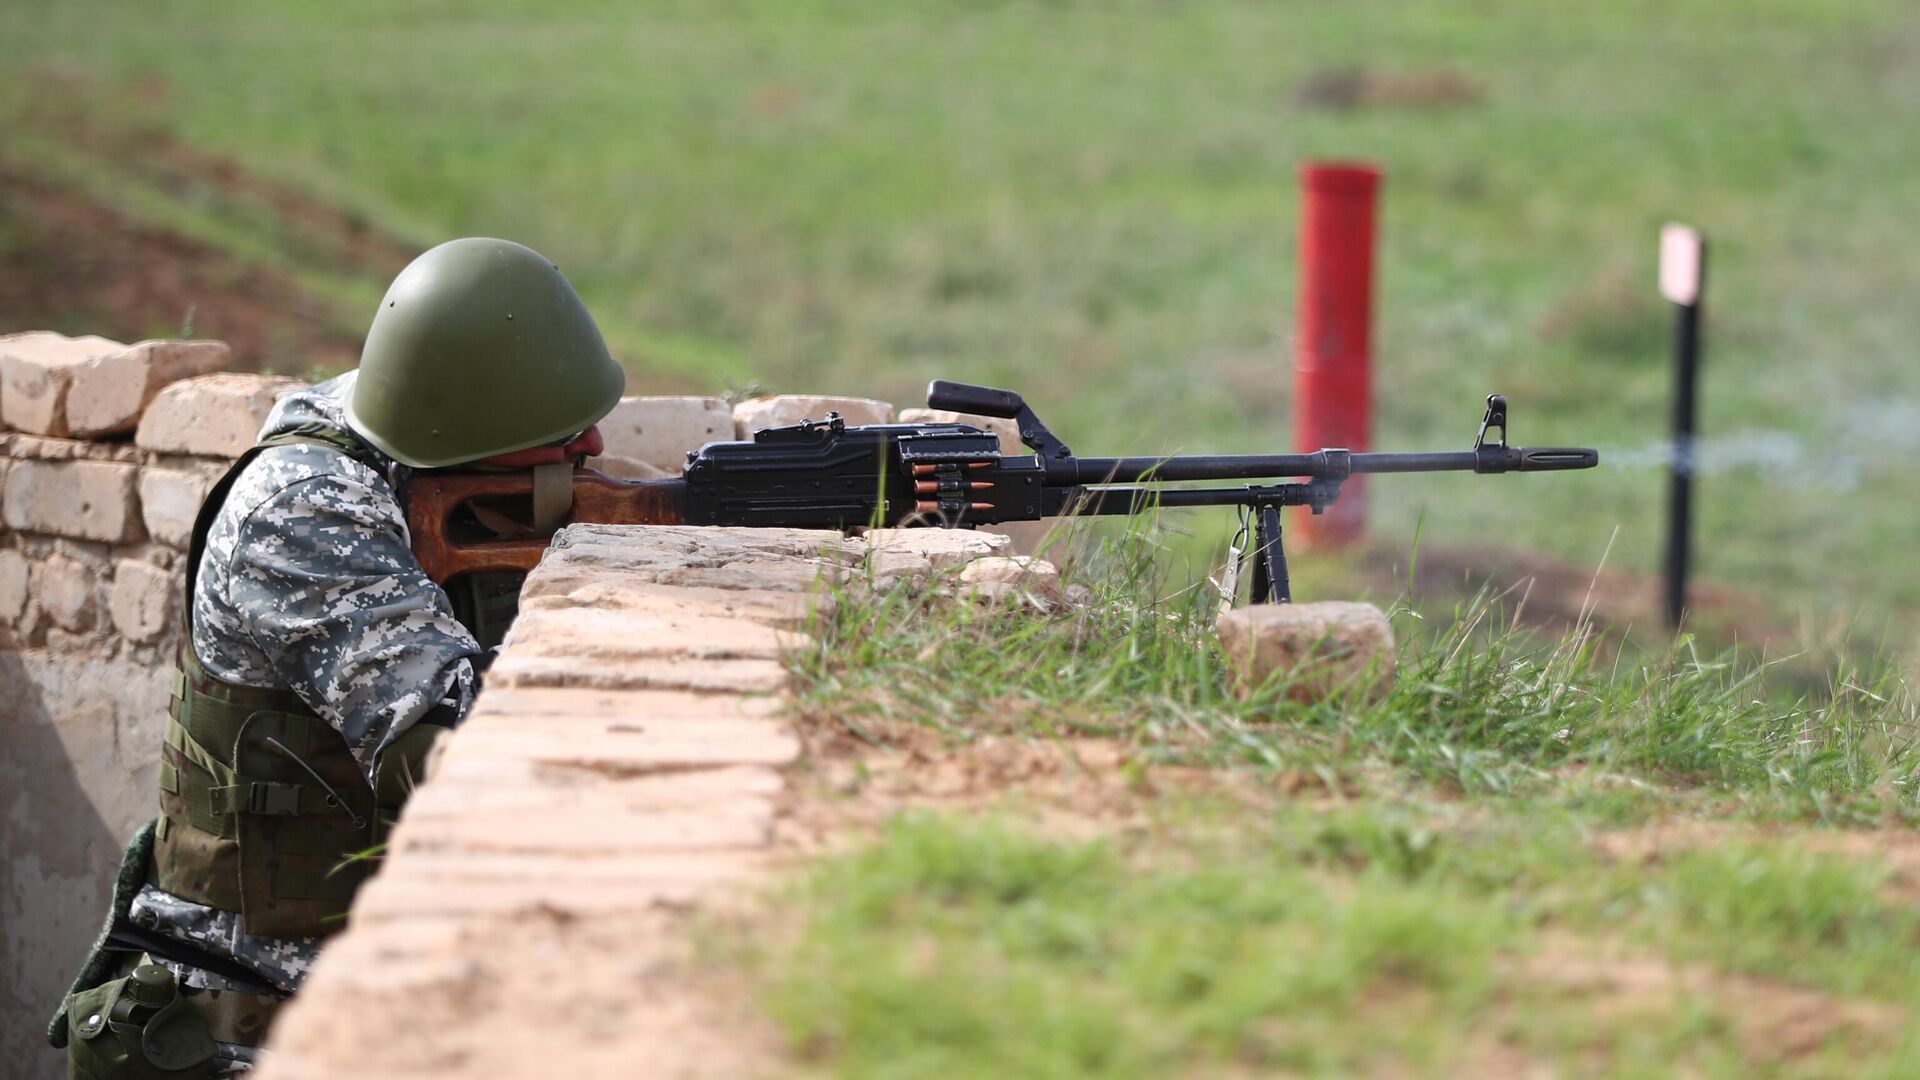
(256, 797)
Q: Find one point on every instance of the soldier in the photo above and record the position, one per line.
(319, 663)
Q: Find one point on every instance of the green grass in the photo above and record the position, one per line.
(1094, 203)
(1477, 706)
(1378, 939)
(1436, 900)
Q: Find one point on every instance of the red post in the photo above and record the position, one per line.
(1332, 353)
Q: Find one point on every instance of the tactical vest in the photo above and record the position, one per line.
(263, 808)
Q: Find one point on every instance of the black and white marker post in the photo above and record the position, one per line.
(1683, 271)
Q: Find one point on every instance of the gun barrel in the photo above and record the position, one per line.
(1437, 461)
(1126, 470)
(1321, 464)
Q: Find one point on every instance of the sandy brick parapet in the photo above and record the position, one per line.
(624, 762)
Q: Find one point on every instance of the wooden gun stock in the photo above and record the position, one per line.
(598, 499)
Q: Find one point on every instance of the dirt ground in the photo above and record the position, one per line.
(79, 263)
(1543, 592)
(72, 264)
(847, 787)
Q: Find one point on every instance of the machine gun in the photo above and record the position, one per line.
(826, 474)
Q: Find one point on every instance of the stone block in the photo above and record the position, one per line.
(660, 430)
(791, 560)
(616, 634)
(81, 500)
(110, 392)
(786, 610)
(632, 748)
(1320, 649)
(615, 707)
(999, 578)
(211, 415)
(809, 578)
(140, 600)
(941, 548)
(36, 373)
(64, 588)
(751, 676)
(13, 587)
(479, 785)
(441, 886)
(784, 409)
(170, 501)
(594, 820)
(666, 547)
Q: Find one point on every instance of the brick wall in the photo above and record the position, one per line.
(105, 453)
(106, 450)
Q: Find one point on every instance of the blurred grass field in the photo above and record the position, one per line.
(1378, 940)
(1095, 203)
(1592, 860)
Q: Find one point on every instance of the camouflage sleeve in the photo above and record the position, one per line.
(324, 580)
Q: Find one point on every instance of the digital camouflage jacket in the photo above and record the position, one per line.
(308, 583)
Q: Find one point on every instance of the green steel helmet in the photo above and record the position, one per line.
(480, 347)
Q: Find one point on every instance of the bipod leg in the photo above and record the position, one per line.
(1270, 584)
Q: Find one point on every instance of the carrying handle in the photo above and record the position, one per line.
(979, 400)
(1001, 404)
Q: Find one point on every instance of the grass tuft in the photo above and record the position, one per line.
(1480, 705)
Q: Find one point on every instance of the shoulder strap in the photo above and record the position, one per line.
(304, 435)
(202, 524)
(190, 680)
(317, 434)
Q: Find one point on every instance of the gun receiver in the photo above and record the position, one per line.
(826, 474)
